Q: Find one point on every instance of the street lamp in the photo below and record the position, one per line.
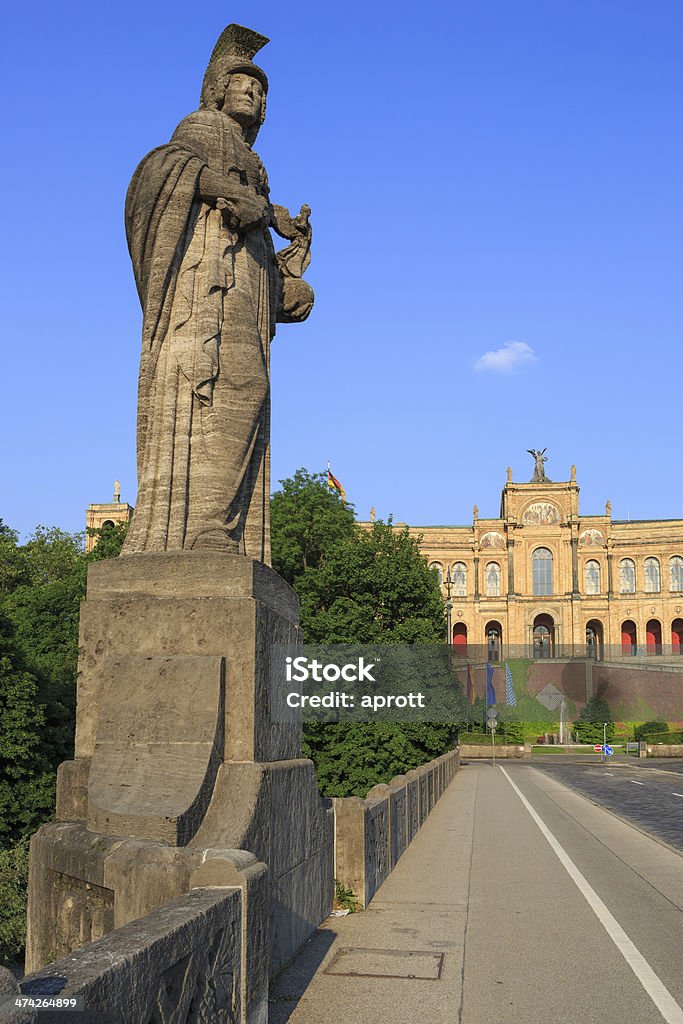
(448, 583)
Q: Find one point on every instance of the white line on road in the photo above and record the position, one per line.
(657, 991)
(678, 794)
(636, 783)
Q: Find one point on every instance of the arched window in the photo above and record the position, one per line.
(594, 634)
(542, 572)
(592, 576)
(108, 524)
(652, 584)
(439, 569)
(653, 636)
(460, 638)
(492, 579)
(627, 576)
(629, 637)
(677, 636)
(494, 640)
(459, 579)
(544, 636)
(676, 573)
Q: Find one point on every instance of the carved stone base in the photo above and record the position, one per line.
(180, 759)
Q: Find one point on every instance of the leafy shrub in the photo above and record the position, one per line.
(13, 889)
(663, 737)
(658, 725)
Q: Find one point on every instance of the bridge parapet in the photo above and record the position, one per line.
(371, 835)
(183, 961)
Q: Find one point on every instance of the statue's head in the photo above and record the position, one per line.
(233, 82)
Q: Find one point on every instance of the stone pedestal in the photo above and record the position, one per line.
(179, 756)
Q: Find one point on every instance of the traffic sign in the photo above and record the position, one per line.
(598, 748)
(608, 750)
(491, 714)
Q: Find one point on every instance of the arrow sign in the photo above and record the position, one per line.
(608, 750)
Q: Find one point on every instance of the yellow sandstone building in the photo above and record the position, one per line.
(546, 580)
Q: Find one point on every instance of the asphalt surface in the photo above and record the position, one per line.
(648, 794)
(519, 902)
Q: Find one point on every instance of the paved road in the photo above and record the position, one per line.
(650, 795)
(519, 902)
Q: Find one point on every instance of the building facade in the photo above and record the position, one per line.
(97, 517)
(546, 580)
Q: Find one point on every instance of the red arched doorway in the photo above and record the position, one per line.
(677, 636)
(494, 641)
(460, 639)
(544, 636)
(594, 639)
(653, 636)
(628, 637)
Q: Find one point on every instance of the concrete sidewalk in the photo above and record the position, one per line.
(480, 923)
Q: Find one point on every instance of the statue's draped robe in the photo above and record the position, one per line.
(209, 298)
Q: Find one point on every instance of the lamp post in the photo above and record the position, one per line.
(448, 582)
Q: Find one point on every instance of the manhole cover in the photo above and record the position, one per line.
(387, 963)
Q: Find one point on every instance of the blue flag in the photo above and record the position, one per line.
(509, 689)
(490, 692)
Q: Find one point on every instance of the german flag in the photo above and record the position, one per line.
(334, 485)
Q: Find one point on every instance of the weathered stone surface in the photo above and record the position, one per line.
(181, 962)
(483, 750)
(8, 983)
(122, 617)
(239, 868)
(198, 220)
(275, 810)
(159, 745)
(370, 835)
(72, 790)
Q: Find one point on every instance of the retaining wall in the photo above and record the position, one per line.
(665, 750)
(371, 835)
(475, 750)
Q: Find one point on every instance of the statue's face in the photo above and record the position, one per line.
(243, 98)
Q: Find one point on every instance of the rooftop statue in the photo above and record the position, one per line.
(539, 476)
(198, 220)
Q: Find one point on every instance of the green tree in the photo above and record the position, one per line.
(13, 894)
(356, 586)
(26, 775)
(589, 724)
(109, 541)
(307, 520)
(373, 585)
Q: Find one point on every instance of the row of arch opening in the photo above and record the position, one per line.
(544, 633)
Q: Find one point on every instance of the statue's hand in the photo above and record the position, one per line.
(248, 209)
(243, 207)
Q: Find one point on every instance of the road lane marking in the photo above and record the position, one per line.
(678, 794)
(655, 988)
(636, 783)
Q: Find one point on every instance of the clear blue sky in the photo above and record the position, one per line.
(499, 177)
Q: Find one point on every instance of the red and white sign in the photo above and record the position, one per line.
(598, 748)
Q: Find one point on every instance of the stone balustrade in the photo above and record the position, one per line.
(371, 835)
(184, 963)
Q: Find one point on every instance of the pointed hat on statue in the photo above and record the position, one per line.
(233, 53)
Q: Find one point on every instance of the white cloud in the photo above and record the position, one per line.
(507, 359)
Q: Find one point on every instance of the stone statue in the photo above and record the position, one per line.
(198, 220)
(539, 476)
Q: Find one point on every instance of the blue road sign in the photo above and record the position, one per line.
(608, 750)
